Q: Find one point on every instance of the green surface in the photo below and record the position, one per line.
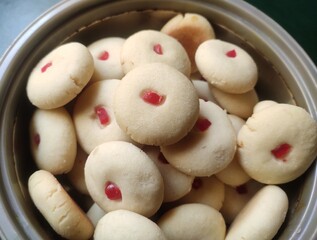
(298, 18)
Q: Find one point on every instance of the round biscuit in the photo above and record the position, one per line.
(149, 46)
(106, 53)
(208, 148)
(60, 76)
(226, 66)
(278, 143)
(156, 124)
(124, 168)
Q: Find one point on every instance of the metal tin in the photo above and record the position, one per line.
(286, 75)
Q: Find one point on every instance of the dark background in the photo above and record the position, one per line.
(298, 18)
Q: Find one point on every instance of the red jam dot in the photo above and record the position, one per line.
(281, 151)
(46, 66)
(158, 49)
(197, 183)
(242, 189)
(112, 191)
(37, 139)
(104, 56)
(162, 158)
(102, 115)
(152, 97)
(203, 124)
(231, 54)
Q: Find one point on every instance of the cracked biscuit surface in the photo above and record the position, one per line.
(57, 207)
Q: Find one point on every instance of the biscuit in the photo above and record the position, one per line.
(127, 225)
(226, 66)
(192, 221)
(233, 174)
(278, 144)
(57, 207)
(53, 140)
(240, 105)
(176, 183)
(150, 46)
(106, 53)
(190, 29)
(156, 105)
(208, 148)
(94, 118)
(120, 175)
(269, 205)
(206, 190)
(60, 76)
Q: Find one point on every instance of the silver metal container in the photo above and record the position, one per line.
(286, 75)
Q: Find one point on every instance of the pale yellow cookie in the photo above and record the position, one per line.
(120, 175)
(226, 66)
(57, 207)
(106, 53)
(127, 225)
(156, 105)
(278, 144)
(53, 140)
(208, 148)
(151, 46)
(60, 76)
(262, 217)
(193, 221)
(94, 118)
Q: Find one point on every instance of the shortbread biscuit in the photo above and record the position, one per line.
(53, 140)
(60, 76)
(193, 221)
(120, 175)
(226, 66)
(106, 53)
(57, 207)
(156, 104)
(150, 46)
(262, 216)
(278, 144)
(127, 225)
(208, 148)
(94, 118)
(190, 29)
